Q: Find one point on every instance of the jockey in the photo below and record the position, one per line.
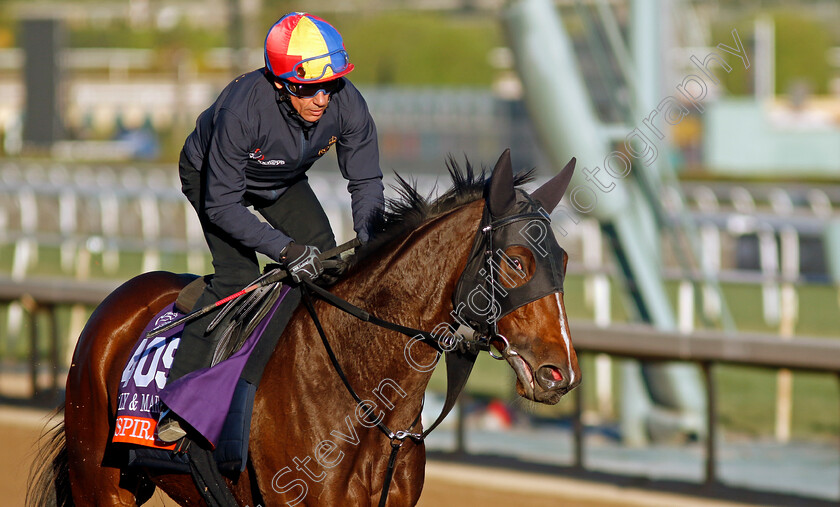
(252, 147)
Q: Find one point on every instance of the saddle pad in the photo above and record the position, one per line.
(138, 402)
(201, 398)
(230, 454)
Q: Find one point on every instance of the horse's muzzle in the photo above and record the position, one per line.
(546, 383)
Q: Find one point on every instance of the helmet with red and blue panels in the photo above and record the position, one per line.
(302, 48)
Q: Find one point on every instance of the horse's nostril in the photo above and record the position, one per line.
(550, 376)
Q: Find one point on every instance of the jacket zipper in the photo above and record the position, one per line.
(304, 137)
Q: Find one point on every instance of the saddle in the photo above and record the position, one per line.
(189, 295)
(229, 381)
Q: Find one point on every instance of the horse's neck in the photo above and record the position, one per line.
(411, 285)
(413, 282)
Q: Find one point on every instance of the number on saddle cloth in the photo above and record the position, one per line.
(138, 402)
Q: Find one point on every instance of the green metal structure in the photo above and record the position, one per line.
(656, 399)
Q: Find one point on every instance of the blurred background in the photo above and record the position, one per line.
(716, 242)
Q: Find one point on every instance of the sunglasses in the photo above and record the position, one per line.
(306, 90)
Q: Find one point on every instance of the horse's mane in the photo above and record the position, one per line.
(410, 208)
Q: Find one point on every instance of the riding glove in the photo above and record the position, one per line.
(302, 262)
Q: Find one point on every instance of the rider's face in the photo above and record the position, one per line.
(310, 108)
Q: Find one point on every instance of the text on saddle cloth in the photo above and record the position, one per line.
(138, 401)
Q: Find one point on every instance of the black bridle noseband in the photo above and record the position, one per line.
(476, 331)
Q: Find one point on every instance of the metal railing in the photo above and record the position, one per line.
(705, 348)
(44, 296)
(96, 214)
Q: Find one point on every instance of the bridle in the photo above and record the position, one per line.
(473, 333)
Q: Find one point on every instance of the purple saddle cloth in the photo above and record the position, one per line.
(201, 398)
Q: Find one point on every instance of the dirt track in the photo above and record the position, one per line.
(446, 485)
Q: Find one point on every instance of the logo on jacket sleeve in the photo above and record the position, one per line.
(260, 158)
(325, 149)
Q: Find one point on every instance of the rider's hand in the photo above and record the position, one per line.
(363, 237)
(302, 262)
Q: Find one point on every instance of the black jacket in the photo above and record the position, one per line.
(252, 143)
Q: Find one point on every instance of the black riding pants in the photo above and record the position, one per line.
(299, 214)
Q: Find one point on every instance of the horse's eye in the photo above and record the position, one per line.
(518, 265)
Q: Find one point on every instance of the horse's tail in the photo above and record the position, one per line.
(49, 477)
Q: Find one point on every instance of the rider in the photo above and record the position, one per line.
(253, 146)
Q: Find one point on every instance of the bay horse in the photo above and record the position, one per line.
(311, 443)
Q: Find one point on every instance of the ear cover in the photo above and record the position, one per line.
(501, 196)
(550, 193)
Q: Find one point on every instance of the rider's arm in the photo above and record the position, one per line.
(358, 159)
(226, 158)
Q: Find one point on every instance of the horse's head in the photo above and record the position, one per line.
(512, 286)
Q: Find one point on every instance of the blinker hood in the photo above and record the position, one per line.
(484, 294)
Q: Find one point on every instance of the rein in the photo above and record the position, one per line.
(465, 342)
(270, 277)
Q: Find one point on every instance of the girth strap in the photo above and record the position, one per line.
(208, 480)
(458, 368)
(389, 474)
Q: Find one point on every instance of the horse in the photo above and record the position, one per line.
(312, 443)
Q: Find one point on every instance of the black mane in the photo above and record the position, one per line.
(411, 209)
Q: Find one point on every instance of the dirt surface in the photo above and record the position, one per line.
(446, 484)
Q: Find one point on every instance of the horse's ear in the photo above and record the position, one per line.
(500, 196)
(550, 193)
